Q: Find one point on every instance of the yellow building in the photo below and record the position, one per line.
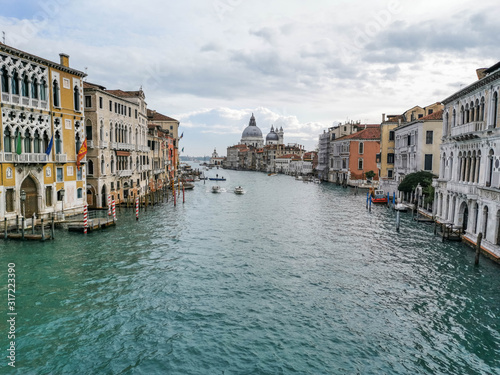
(386, 158)
(42, 128)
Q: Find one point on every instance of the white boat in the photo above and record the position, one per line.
(216, 189)
(316, 180)
(239, 190)
(298, 178)
(401, 207)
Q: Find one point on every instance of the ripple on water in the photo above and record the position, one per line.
(288, 278)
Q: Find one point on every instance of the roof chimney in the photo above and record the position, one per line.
(480, 73)
(64, 59)
(383, 117)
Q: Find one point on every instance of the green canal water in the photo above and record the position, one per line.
(289, 278)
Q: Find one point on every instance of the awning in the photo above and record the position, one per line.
(122, 153)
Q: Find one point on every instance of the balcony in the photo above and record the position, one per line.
(112, 145)
(462, 188)
(24, 101)
(467, 130)
(103, 144)
(26, 157)
(90, 143)
(124, 173)
(125, 146)
(61, 158)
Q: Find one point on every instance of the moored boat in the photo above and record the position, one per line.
(239, 190)
(378, 196)
(216, 189)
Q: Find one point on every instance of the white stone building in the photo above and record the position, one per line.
(467, 193)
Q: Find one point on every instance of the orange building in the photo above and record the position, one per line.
(356, 154)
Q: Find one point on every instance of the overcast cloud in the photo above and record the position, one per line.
(300, 66)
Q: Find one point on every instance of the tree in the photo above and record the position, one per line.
(369, 175)
(423, 178)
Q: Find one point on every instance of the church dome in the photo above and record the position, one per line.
(251, 131)
(272, 136)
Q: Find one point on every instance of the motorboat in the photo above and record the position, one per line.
(378, 196)
(188, 186)
(216, 189)
(217, 179)
(239, 190)
(272, 174)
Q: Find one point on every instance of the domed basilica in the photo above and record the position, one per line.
(252, 135)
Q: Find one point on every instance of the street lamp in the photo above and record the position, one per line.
(23, 199)
(62, 192)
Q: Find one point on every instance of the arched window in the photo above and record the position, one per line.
(90, 167)
(15, 83)
(112, 164)
(467, 114)
(101, 132)
(471, 114)
(43, 90)
(485, 221)
(477, 110)
(7, 140)
(454, 118)
(491, 160)
(34, 88)
(76, 98)
(24, 86)
(481, 116)
(103, 166)
(5, 80)
(447, 124)
(36, 143)
(58, 142)
(495, 109)
(78, 142)
(55, 89)
(27, 141)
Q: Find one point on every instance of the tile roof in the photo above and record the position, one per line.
(125, 94)
(88, 85)
(438, 115)
(157, 116)
(370, 133)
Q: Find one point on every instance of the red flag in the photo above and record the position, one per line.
(81, 153)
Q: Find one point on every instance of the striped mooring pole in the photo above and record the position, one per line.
(137, 208)
(109, 205)
(85, 218)
(114, 209)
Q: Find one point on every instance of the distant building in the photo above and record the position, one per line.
(216, 159)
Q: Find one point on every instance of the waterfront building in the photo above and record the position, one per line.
(355, 154)
(335, 132)
(172, 126)
(283, 163)
(417, 146)
(467, 193)
(159, 141)
(387, 157)
(118, 152)
(323, 155)
(216, 159)
(42, 127)
(252, 154)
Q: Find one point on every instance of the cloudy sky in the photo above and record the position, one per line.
(301, 65)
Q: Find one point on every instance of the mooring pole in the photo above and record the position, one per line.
(367, 197)
(43, 229)
(398, 220)
(52, 227)
(478, 248)
(22, 228)
(370, 206)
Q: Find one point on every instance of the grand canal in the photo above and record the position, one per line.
(289, 278)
